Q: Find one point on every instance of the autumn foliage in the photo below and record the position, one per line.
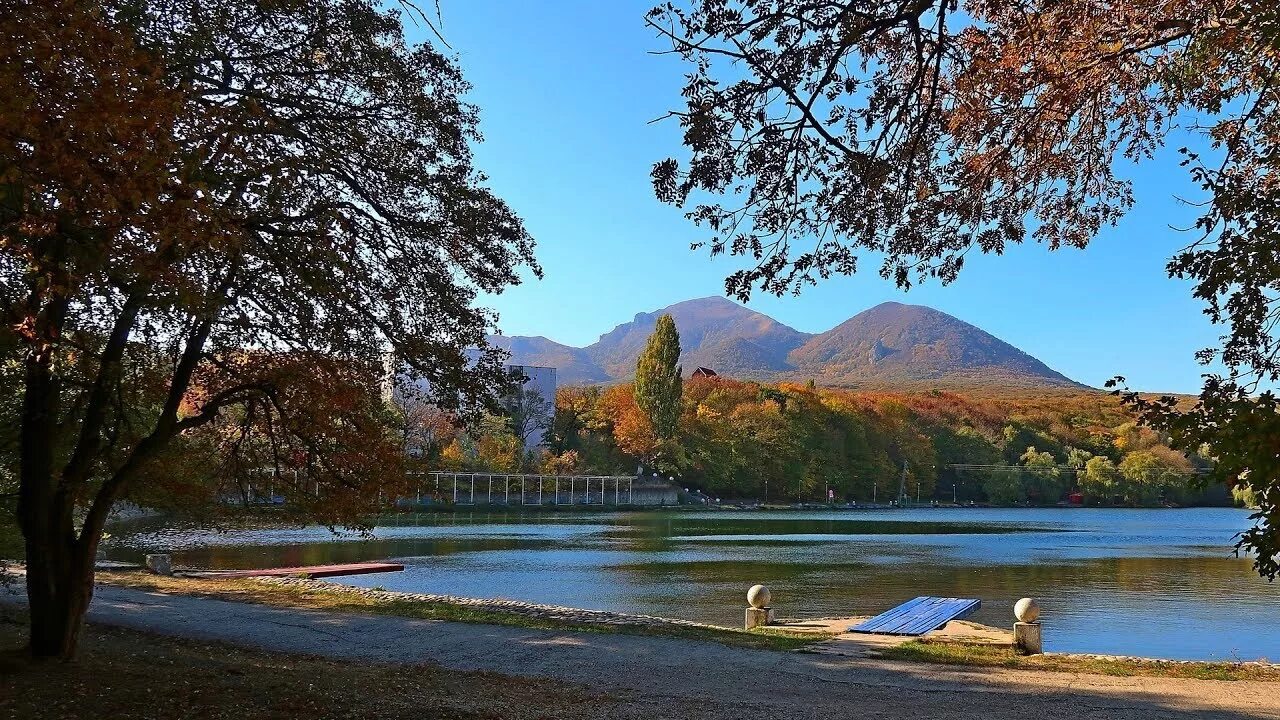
(216, 224)
(917, 132)
(795, 441)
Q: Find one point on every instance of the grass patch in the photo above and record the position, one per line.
(951, 653)
(318, 598)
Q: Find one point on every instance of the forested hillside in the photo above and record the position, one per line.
(741, 439)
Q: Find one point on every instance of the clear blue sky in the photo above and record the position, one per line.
(566, 91)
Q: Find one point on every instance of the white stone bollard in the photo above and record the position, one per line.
(1027, 638)
(159, 564)
(758, 613)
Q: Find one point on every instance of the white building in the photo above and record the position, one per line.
(540, 381)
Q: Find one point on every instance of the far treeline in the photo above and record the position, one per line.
(787, 442)
(735, 439)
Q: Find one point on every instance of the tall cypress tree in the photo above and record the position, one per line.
(658, 385)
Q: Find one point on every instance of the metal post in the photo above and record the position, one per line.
(455, 489)
(570, 489)
(557, 490)
(489, 500)
(522, 496)
(506, 484)
(540, 481)
(473, 488)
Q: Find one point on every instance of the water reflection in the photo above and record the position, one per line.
(1112, 581)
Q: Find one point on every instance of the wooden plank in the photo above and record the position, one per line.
(890, 617)
(942, 613)
(927, 619)
(918, 616)
(313, 571)
(924, 620)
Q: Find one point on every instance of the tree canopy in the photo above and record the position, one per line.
(658, 382)
(919, 131)
(217, 220)
(747, 440)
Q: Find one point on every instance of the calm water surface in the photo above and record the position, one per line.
(1161, 583)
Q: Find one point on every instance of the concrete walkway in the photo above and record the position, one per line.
(685, 679)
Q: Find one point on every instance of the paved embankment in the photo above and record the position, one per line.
(687, 679)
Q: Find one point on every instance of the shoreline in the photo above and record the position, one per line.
(960, 643)
(955, 632)
(177, 656)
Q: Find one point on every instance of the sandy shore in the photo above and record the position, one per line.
(656, 677)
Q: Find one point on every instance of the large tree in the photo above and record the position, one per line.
(217, 219)
(658, 385)
(918, 131)
(527, 412)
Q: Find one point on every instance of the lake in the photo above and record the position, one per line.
(1159, 583)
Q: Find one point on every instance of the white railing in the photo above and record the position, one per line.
(471, 488)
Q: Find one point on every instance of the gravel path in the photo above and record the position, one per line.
(684, 679)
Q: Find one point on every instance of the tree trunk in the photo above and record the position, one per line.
(59, 568)
(59, 588)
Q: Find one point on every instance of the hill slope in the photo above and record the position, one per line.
(714, 332)
(890, 345)
(573, 365)
(893, 343)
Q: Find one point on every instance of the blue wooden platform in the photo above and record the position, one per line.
(919, 616)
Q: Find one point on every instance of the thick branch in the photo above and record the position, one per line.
(89, 444)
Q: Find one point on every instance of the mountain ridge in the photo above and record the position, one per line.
(889, 345)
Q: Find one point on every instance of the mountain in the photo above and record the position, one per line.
(889, 345)
(714, 332)
(893, 343)
(573, 365)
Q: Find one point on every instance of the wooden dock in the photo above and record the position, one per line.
(311, 571)
(918, 616)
